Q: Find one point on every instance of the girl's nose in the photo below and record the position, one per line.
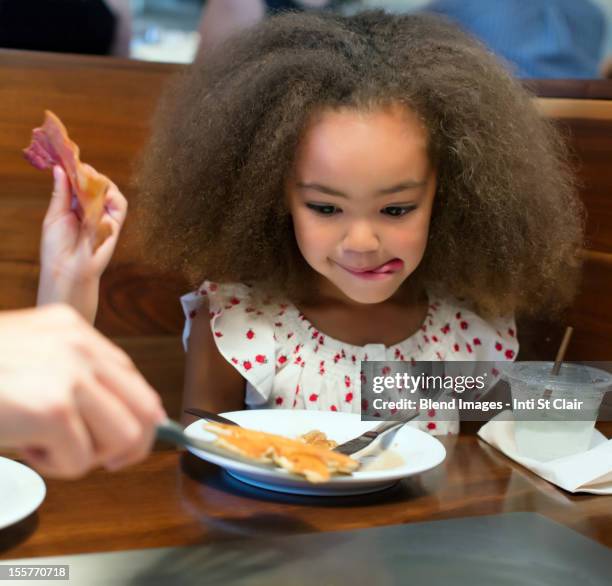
(361, 238)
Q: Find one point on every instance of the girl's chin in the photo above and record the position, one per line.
(370, 293)
(370, 299)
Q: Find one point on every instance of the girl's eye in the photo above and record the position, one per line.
(323, 209)
(397, 211)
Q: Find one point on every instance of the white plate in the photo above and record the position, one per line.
(417, 451)
(21, 491)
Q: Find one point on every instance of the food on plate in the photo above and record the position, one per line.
(315, 463)
(51, 146)
(319, 439)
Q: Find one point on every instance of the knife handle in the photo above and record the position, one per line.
(171, 432)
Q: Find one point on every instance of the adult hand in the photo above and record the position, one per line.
(70, 400)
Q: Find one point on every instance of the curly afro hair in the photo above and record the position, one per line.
(507, 225)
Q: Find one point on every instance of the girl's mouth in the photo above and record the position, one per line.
(381, 272)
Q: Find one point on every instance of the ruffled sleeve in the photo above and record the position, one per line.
(453, 332)
(466, 336)
(242, 331)
(469, 336)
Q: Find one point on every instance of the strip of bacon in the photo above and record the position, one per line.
(51, 146)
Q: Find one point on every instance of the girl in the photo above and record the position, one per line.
(366, 188)
(345, 189)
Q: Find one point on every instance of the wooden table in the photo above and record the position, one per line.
(176, 499)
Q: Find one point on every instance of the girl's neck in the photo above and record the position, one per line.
(388, 323)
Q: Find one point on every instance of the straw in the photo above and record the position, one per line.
(562, 349)
(560, 356)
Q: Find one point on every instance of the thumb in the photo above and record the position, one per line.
(61, 198)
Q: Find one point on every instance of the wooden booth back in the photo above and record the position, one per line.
(107, 105)
(583, 110)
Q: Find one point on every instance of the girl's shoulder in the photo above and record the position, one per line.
(236, 310)
(220, 298)
(245, 325)
(454, 330)
(218, 293)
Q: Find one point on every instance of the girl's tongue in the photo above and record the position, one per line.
(390, 267)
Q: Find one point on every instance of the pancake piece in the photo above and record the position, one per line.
(319, 439)
(315, 463)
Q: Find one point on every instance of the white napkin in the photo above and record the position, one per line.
(589, 471)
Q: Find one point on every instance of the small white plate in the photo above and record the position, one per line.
(403, 453)
(21, 491)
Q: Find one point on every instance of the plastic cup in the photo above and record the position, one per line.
(554, 415)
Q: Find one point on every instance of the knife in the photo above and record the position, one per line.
(209, 415)
(172, 432)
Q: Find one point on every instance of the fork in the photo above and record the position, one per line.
(361, 442)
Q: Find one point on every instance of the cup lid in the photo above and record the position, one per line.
(571, 375)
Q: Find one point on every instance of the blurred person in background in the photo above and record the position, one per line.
(222, 18)
(95, 27)
(540, 38)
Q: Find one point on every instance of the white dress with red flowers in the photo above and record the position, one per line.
(288, 364)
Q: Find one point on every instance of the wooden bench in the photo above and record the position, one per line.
(107, 105)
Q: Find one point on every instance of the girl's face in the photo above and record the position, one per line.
(361, 196)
